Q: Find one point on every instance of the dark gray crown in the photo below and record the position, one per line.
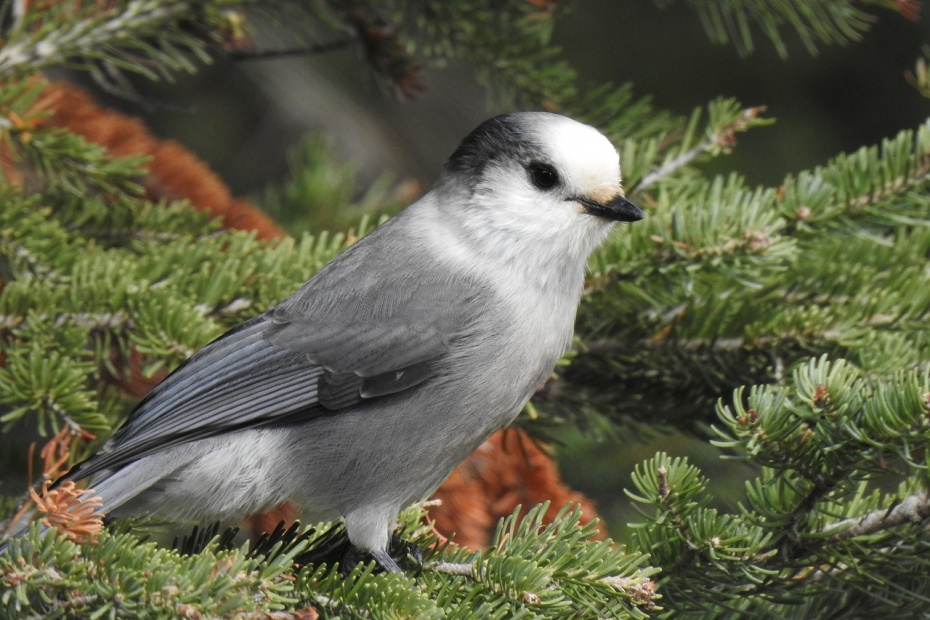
(508, 136)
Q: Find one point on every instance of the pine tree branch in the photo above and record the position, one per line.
(721, 138)
(672, 166)
(324, 601)
(94, 321)
(733, 21)
(896, 186)
(613, 346)
(915, 508)
(679, 523)
(640, 590)
(307, 50)
(31, 262)
(90, 37)
(58, 607)
(106, 321)
(463, 569)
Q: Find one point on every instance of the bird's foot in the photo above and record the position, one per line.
(410, 555)
(401, 552)
(354, 556)
(384, 560)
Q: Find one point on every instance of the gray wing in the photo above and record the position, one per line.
(347, 336)
(379, 321)
(398, 338)
(237, 381)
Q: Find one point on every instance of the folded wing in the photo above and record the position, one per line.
(343, 339)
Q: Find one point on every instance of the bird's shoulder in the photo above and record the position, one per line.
(396, 278)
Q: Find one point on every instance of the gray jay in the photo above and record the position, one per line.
(359, 394)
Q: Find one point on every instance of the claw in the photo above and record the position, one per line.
(353, 556)
(385, 561)
(409, 554)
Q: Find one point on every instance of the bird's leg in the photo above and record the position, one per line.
(407, 552)
(353, 556)
(385, 560)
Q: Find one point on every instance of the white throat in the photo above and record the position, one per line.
(548, 253)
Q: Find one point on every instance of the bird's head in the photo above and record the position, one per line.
(533, 177)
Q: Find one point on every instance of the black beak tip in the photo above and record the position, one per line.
(618, 209)
(636, 214)
(625, 210)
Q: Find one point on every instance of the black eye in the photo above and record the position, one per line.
(543, 176)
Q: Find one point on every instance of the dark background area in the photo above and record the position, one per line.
(243, 117)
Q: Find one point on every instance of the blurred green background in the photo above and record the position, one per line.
(244, 117)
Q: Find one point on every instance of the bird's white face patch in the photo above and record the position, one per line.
(512, 216)
(586, 158)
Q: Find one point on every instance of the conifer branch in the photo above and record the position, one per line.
(462, 569)
(913, 509)
(640, 590)
(723, 137)
(98, 321)
(716, 346)
(32, 264)
(677, 520)
(732, 21)
(97, 34)
(916, 177)
(721, 286)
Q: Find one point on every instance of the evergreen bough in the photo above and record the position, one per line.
(791, 321)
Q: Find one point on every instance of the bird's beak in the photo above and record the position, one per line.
(617, 208)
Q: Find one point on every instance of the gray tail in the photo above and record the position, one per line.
(130, 490)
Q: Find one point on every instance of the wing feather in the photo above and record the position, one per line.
(232, 387)
(347, 336)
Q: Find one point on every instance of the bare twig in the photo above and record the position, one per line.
(248, 54)
(451, 568)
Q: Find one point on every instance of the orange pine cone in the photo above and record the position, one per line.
(173, 172)
(508, 470)
(70, 510)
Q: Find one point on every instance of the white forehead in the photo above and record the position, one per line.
(580, 151)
